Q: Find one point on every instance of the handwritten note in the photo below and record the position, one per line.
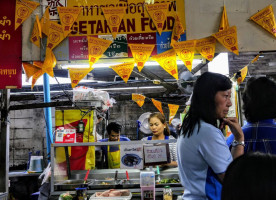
(156, 154)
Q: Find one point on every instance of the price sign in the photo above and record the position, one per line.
(156, 154)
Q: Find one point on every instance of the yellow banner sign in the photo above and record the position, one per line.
(45, 22)
(49, 63)
(173, 110)
(67, 17)
(114, 18)
(265, 18)
(243, 74)
(206, 47)
(141, 53)
(178, 29)
(228, 38)
(23, 10)
(91, 20)
(96, 48)
(256, 58)
(123, 70)
(224, 24)
(38, 64)
(36, 33)
(167, 61)
(36, 76)
(55, 35)
(158, 14)
(139, 99)
(30, 70)
(158, 105)
(77, 74)
(185, 50)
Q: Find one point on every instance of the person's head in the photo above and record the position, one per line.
(259, 99)
(250, 177)
(113, 129)
(158, 124)
(210, 100)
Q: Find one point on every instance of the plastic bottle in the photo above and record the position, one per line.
(167, 193)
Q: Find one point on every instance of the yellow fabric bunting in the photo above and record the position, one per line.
(243, 74)
(173, 110)
(49, 63)
(30, 70)
(55, 35)
(45, 22)
(141, 53)
(228, 38)
(224, 24)
(266, 19)
(139, 99)
(206, 47)
(158, 105)
(67, 17)
(23, 10)
(167, 60)
(114, 16)
(36, 33)
(77, 74)
(38, 64)
(185, 50)
(36, 76)
(158, 13)
(124, 70)
(178, 29)
(256, 58)
(96, 48)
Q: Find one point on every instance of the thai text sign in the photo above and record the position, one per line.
(10, 47)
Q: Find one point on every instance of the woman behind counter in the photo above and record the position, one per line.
(161, 131)
(202, 152)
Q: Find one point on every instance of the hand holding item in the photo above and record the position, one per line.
(235, 127)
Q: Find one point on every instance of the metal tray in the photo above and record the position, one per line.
(132, 183)
(102, 184)
(69, 184)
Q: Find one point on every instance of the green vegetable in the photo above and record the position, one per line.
(169, 180)
(66, 196)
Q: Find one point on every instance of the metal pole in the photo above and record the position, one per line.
(4, 141)
(48, 115)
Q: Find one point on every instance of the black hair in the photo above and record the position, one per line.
(162, 118)
(113, 126)
(203, 105)
(259, 99)
(251, 176)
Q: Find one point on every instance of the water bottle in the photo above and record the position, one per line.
(167, 193)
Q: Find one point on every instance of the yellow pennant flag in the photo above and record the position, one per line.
(185, 50)
(23, 10)
(30, 70)
(158, 13)
(124, 70)
(206, 47)
(96, 48)
(77, 74)
(36, 33)
(158, 105)
(243, 74)
(45, 22)
(139, 99)
(55, 35)
(228, 38)
(178, 29)
(173, 110)
(49, 63)
(141, 53)
(38, 64)
(256, 58)
(114, 16)
(167, 60)
(36, 76)
(224, 24)
(265, 18)
(67, 17)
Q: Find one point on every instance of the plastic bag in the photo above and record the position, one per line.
(46, 173)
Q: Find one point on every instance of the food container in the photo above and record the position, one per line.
(93, 197)
(102, 184)
(69, 185)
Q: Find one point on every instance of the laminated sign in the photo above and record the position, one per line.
(167, 61)
(123, 70)
(139, 99)
(265, 18)
(141, 53)
(206, 47)
(228, 38)
(185, 50)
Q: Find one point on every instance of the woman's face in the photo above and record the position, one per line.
(223, 102)
(156, 126)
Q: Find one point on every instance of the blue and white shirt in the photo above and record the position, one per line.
(200, 157)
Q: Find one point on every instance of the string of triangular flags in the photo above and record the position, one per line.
(55, 32)
(140, 100)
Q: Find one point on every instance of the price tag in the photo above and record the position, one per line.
(156, 154)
